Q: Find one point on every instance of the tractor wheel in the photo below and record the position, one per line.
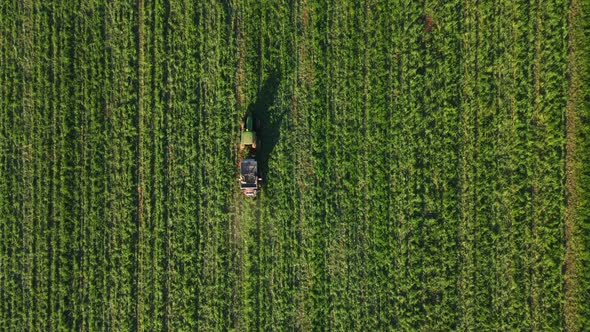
(253, 145)
(242, 147)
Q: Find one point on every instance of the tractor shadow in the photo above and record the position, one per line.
(270, 122)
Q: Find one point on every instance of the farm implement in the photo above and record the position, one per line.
(250, 179)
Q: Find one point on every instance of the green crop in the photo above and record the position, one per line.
(424, 165)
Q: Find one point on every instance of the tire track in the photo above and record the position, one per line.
(236, 231)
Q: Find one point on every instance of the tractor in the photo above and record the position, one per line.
(248, 132)
(250, 179)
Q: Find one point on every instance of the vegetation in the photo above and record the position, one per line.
(424, 165)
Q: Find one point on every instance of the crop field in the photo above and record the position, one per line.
(425, 165)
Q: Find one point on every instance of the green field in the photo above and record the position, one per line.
(425, 165)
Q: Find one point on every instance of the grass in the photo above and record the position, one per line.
(423, 165)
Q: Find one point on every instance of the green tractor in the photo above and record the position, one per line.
(250, 179)
(248, 133)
